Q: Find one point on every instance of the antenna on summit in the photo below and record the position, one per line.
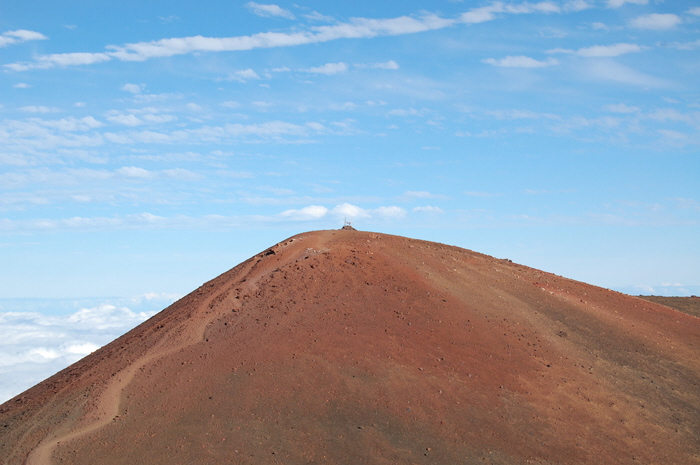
(347, 225)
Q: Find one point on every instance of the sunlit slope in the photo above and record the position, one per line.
(354, 347)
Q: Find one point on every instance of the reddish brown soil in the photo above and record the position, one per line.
(689, 305)
(351, 347)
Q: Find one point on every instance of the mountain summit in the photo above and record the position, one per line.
(355, 347)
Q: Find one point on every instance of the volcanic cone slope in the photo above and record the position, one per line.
(351, 347)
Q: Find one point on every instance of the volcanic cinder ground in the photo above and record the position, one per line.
(351, 347)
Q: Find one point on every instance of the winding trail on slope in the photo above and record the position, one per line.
(108, 404)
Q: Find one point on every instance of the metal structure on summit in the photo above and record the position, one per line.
(347, 225)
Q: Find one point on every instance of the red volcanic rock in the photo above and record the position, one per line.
(353, 347)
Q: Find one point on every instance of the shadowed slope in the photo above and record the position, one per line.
(353, 347)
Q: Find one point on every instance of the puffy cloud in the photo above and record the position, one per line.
(428, 209)
(388, 212)
(133, 88)
(35, 346)
(344, 210)
(312, 212)
(349, 211)
(243, 75)
(328, 69)
(126, 120)
(135, 172)
(694, 11)
(19, 36)
(656, 21)
(520, 61)
(269, 10)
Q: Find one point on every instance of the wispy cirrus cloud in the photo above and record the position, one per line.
(602, 50)
(19, 36)
(355, 28)
(391, 64)
(619, 3)
(520, 61)
(269, 10)
(491, 12)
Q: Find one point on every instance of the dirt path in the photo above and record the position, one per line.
(109, 402)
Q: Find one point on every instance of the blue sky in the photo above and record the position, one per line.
(146, 147)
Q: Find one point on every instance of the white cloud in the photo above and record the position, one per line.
(159, 119)
(269, 10)
(656, 21)
(21, 85)
(619, 3)
(312, 212)
(60, 59)
(71, 124)
(315, 126)
(694, 11)
(243, 75)
(19, 36)
(407, 112)
(602, 50)
(133, 88)
(480, 15)
(428, 209)
(481, 194)
(316, 16)
(391, 64)
(578, 5)
(328, 69)
(135, 172)
(350, 212)
(125, 120)
(519, 62)
(34, 346)
(388, 212)
(193, 107)
(156, 296)
(356, 28)
(409, 195)
(488, 13)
